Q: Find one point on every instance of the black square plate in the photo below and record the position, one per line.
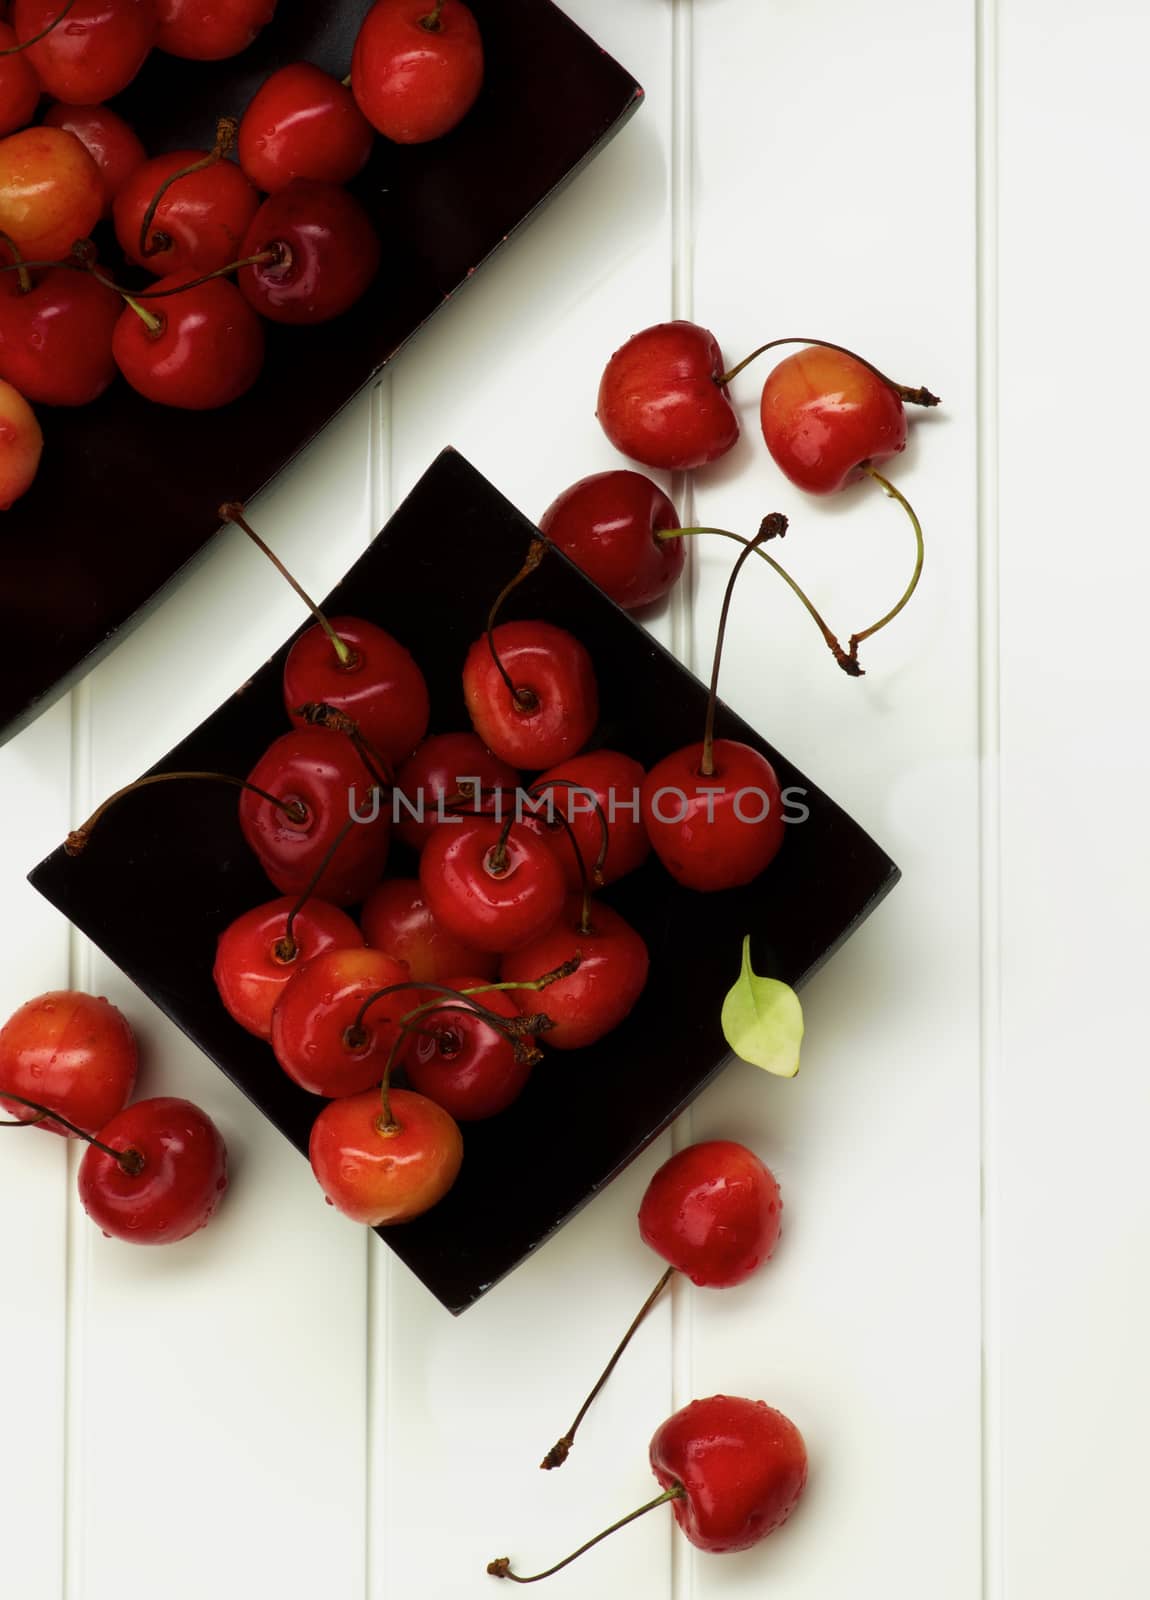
(128, 491)
(175, 863)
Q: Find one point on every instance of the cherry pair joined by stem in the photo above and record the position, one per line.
(210, 30)
(713, 1212)
(73, 1053)
(417, 68)
(732, 1470)
(95, 51)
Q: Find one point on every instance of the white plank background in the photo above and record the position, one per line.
(959, 1315)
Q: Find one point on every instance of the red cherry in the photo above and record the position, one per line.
(741, 1467)
(445, 765)
(417, 68)
(607, 524)
(51, 192)
(714, 832)
(21, 443)
(463, 1063)
(555, 706)
(204, 215)
(616, 782)
(95, 52)
(56, 340)
(397, 918)
(113, 145)
(824, 414)
(211, 30)
(19, 86)
(181, 1176)
(327, 254)
(377, 1174)
(303, 123)
(612, 971)
(206, 350)
(71, 1052)
(316, 1035)
(255, 956)
(494, 892)
(321, 770)
(713, 1211)
(381, 687)
(661, 402)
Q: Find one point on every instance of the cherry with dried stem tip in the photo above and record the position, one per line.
(920, 396)
(15, 49)
(129, 1161)
(234, 511)
(226, 130)
(502, 1567)
(294, 810)
(524, 699)
(318, 714)
(431, 20)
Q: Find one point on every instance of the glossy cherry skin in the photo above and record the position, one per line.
(463, 1063)
(19, 86)
(180, 1185)
(313, 1019)
(487, 904)
(303, 123)
(211, 30)
(71, 1052)
(208, 351)
(51, 192)
(612, 971)
(56, 340)
(381, 689)
(95, 52)
(328, 254)
(660, 401)
(717, 840)
(413, 82)
(397, 918)
(204, 215)
(742, 1464)
(446, 765)
(21, 444)
(616, 782)
(607, 524)
(824, 414)
(553, 672)
(376, 1175)
(713, 1211)
(255, 959)
(113, 145)
(321, 770)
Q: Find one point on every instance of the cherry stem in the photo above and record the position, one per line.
(909, 396)
(522, 699)
(15, 49)
(226, 131)
(829, 637)
(774, 527)
(502, 1567)
(318, 714)
(894, 494)
(233, 511)
(274, 253)
(294, 810)
(596, 875)
(561, 1449)
(130, 1161)
(18, 264)
(431, 21)
(285, 949)
(153, 323)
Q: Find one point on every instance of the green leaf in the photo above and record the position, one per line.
(763, 1021)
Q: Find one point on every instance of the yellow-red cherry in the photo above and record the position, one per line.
(72, 1052)
(51, 192)
(322, 1037)
(377, 1173)
(257, 954)
(824, 413)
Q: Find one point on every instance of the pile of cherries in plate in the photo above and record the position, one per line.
(501, 945)
(209, 248)
(154, 1171)
(829, 419)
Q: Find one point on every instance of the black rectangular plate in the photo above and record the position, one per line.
(127, 492)
(167, 870)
